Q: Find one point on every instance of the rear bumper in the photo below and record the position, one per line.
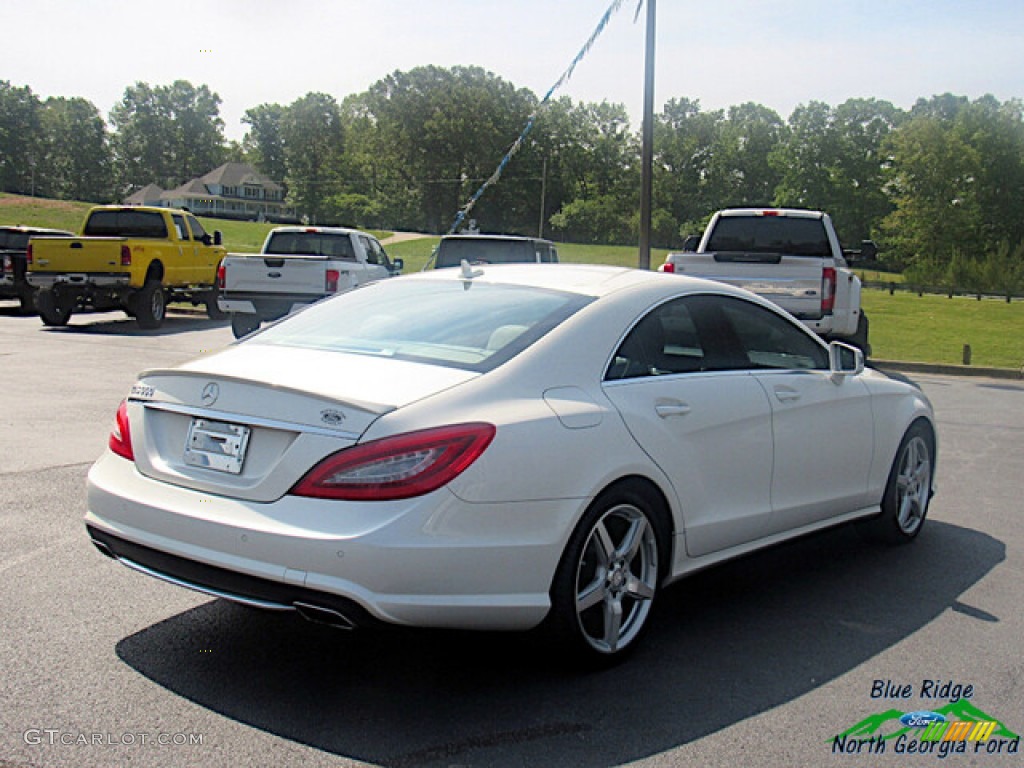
(267, 307)
(433, 561)
(48, 280)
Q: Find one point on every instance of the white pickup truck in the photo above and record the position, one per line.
(297, 266)
(791, 257)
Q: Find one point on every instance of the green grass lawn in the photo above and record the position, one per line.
(934, 329)
(930, 329)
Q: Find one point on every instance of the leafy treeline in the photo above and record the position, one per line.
(938, 185)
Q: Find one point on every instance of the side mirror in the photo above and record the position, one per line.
(397, 265)
(218, 238)
(844, 360)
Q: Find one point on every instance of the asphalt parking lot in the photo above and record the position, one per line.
(759, 662)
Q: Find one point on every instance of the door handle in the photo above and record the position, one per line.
(671, 409)
(786, 395)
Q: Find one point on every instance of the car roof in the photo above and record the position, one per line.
(320, 230)
(498, 238)
(585, 279)
(794, 213)
(30, 229)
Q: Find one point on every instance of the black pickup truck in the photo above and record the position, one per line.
(13, 244)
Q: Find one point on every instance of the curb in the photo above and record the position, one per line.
(948, 369)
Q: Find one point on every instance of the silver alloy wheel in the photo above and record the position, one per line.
(616, 578)
(913, 485)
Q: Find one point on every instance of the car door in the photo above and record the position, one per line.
(822, 424)
(377, 262)
(709, 430)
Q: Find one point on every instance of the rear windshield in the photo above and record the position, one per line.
(126, 223)
(451, 252)
(770, 234)
(335, 246)
(470, 325)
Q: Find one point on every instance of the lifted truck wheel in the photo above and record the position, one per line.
(150, 305)
(244, 324)
(860, 337)
(213, 311)
(54, 311)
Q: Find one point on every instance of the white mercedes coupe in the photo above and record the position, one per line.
(503, 448)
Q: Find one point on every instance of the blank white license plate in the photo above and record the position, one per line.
(216, 445)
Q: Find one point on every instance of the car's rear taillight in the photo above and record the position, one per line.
(828, 290)
(668, 266)
(28, 253)
(398, 467)
(126, 256)
(222, 276)
(331, 279)
(120, 441)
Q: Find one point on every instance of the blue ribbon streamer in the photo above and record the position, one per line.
(517, 145)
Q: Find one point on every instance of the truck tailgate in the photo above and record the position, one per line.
(795, 283)
(292, 275)
(77, 254)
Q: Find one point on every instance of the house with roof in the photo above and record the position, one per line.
(232, 191)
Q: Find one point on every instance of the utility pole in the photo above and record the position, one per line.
(647, 148)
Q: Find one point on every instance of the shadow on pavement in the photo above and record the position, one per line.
(726, 644)
(118, 324)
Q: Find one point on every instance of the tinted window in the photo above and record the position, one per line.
(198, 233)
(335, 246)
(665, 341)
(476, 326)
(769, 340)
(797, 236)
(452, 251)
(126, 223)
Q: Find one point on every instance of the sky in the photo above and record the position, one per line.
(779, 53)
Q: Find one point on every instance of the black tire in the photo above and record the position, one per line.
(908, 489)
(604, 588)
(213, 311)
(54, 311)
(28, 301)
(150, 305)
(860, 337)
(243, 324)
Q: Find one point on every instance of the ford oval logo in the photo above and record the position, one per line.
(922, 718)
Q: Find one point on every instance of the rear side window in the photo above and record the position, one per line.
(126, 223)
(473, 326)
(335, 246)
(796, 236)
(451, 252)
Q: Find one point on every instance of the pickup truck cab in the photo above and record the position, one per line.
(13, 265)
(452, 250)
(791, 257)
(298, 266)
(133, 258)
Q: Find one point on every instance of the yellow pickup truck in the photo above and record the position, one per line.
(135, 258)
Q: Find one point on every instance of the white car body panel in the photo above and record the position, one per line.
(737, 468)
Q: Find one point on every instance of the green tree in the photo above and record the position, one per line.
(22, 139)
(834, 159)
(79, 158)
(311, 132)
(438, 133)
(166, 135)
(264, 141)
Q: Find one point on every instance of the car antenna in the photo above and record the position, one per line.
(468, 272)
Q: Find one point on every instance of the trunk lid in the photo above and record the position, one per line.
(250, 421)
